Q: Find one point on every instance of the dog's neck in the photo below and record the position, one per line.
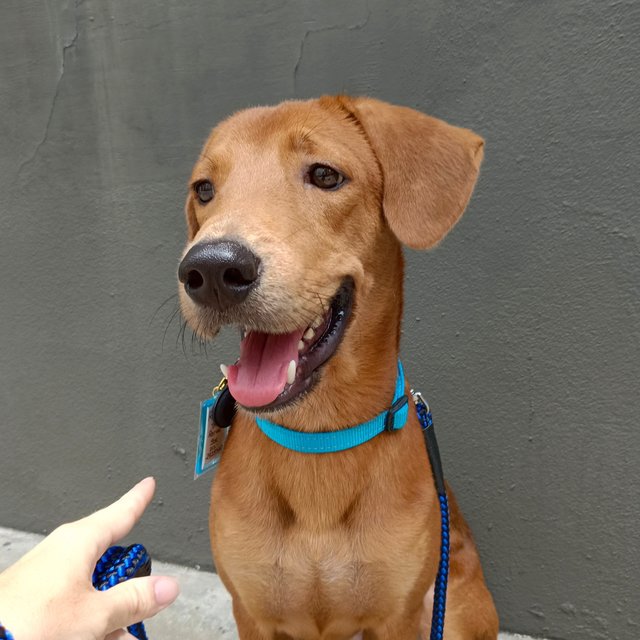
(358, 382)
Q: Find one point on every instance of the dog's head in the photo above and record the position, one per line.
(295, 216)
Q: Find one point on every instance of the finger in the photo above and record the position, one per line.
(107, 526)
(138, 599)
(120, 634)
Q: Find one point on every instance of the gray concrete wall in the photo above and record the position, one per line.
(523, 328)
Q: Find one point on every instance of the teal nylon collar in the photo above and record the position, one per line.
(392, 419)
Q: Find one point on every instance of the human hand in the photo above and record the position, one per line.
(48, 595)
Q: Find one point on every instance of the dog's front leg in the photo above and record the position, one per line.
(396, 629)
(406, 627)
(247, 628)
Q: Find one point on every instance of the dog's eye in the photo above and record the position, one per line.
(204, 191)
(325, 177)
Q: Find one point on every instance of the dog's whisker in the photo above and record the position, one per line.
(198, 336)
(193, 339)
(181, 335)
(155, 313)
(176, 311)
(202, 342)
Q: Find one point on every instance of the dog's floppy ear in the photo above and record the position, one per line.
(192, 221)
(429, 169)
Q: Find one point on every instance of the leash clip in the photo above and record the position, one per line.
(419, 400)
(423, 409)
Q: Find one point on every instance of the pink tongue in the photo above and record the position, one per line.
(260, 375)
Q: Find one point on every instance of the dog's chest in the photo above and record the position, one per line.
(309, 581)
(320, 552)
(334, 579)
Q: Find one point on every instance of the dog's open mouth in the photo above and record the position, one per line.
(274, 369)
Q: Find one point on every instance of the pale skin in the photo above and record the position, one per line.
(48, 595)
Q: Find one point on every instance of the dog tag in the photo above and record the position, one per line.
(216, 414)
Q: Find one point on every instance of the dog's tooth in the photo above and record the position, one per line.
(291, 372)
(316, 323)
(300, 345)
(225, 370)
(308, 334)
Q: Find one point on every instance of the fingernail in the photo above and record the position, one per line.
(166, 590)
(147, 480)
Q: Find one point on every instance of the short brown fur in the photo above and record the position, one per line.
(330, 546)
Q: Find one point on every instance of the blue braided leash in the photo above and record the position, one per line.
(118, 564)
(442, 577)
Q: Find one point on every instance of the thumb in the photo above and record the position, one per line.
(120, 634)
(138, 599)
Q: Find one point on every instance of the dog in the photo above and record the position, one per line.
(296, 218)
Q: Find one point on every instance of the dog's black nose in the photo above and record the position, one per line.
(219, 274)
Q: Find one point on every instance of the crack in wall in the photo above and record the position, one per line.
(358, 26)
(56, 92)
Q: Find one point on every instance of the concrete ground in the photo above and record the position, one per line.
(202, 612)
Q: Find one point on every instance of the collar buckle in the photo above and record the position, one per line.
(397, 411)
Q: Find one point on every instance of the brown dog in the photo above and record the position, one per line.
(296, 217)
